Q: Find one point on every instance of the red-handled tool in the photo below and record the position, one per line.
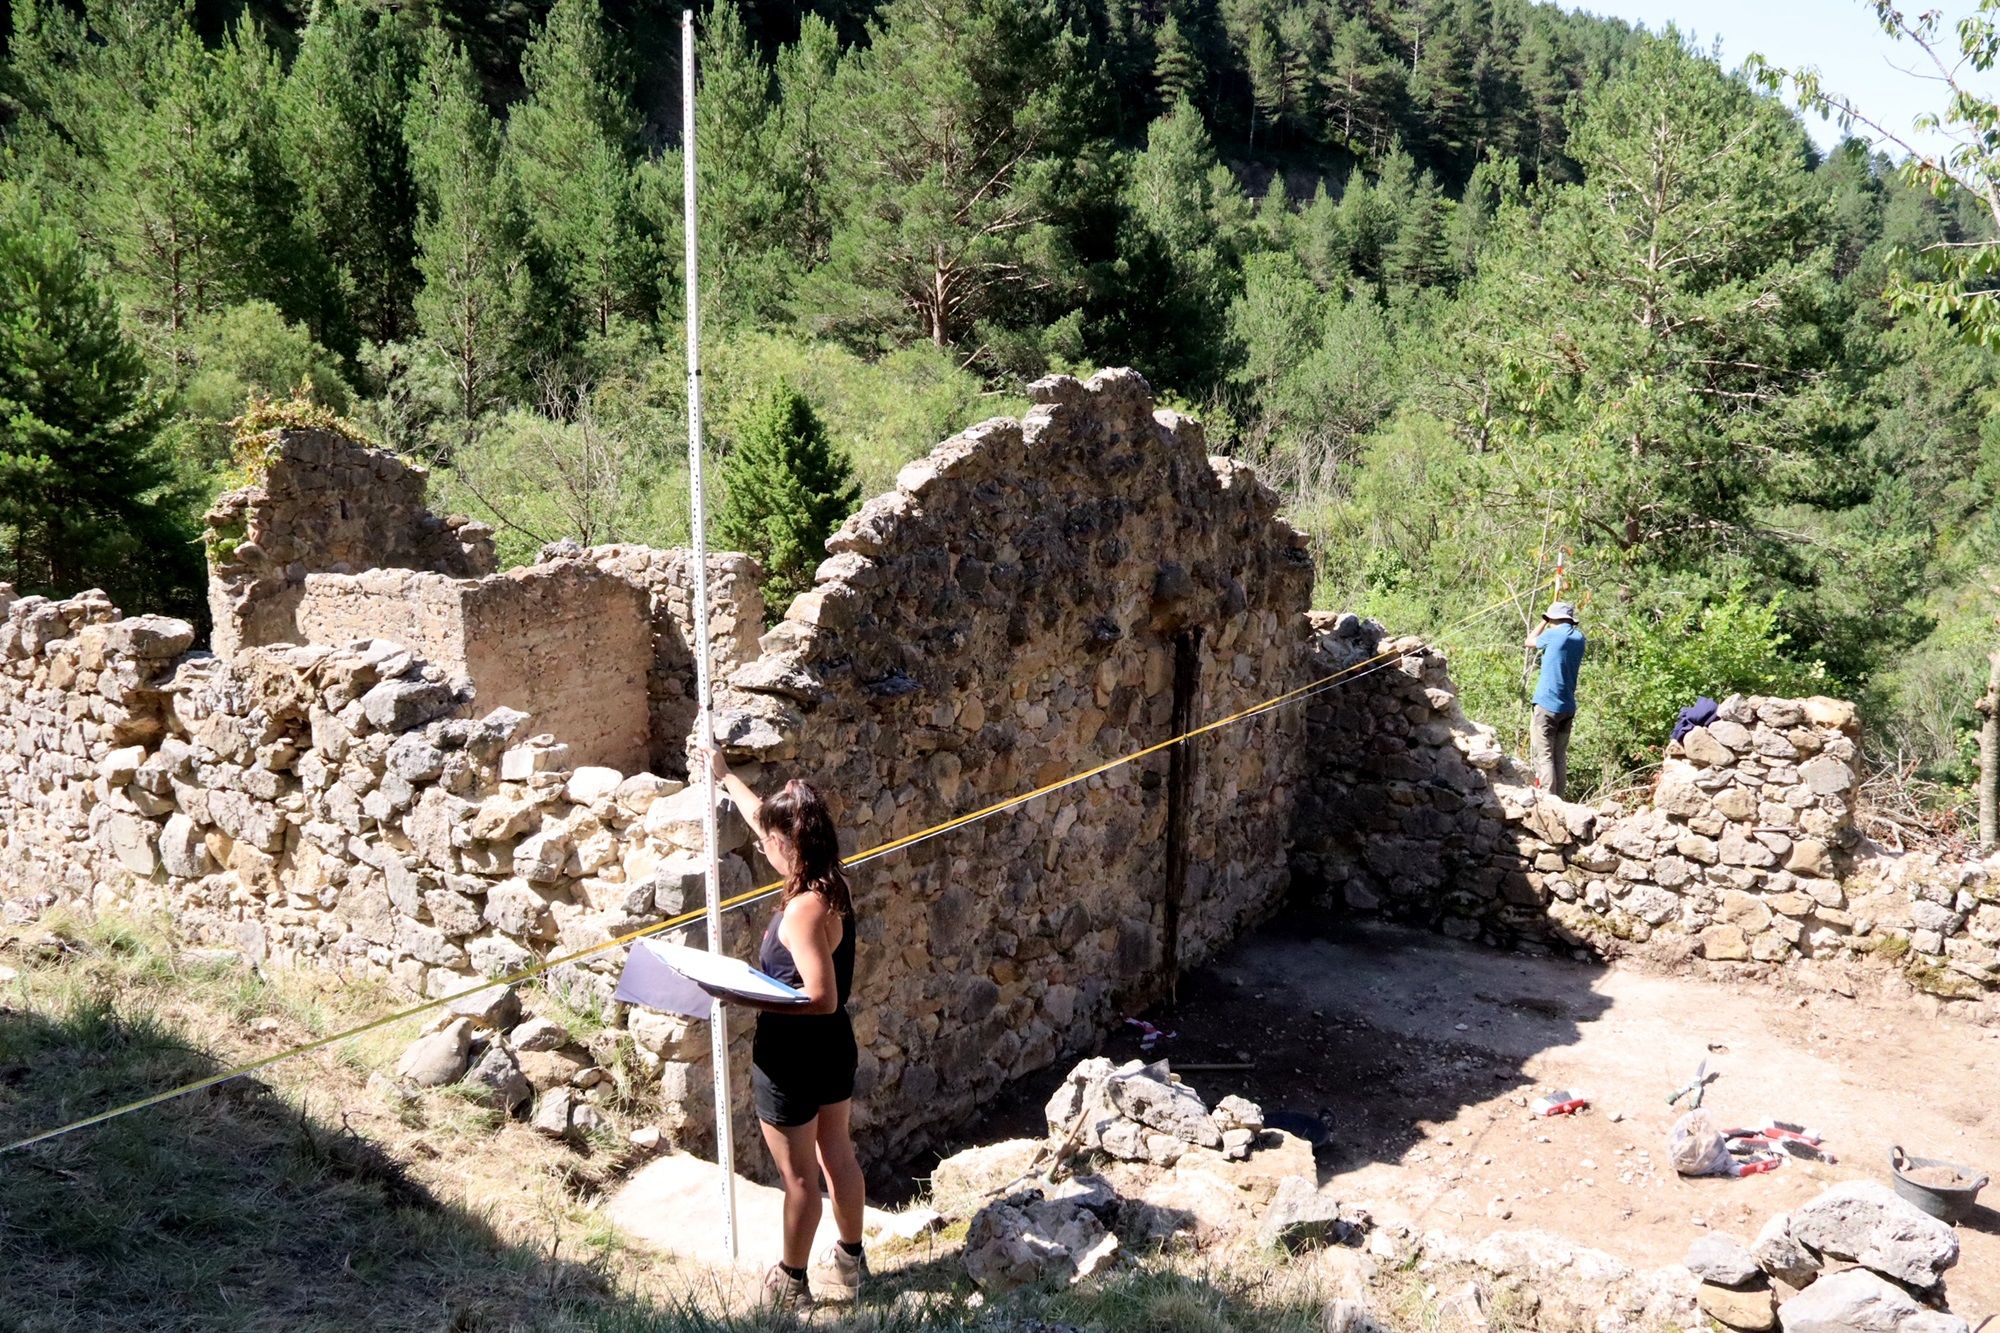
(1559, 1103)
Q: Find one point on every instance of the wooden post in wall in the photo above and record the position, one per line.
(1180, 789)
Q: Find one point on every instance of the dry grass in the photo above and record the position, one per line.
(312, 1198)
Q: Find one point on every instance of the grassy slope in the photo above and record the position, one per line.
(317, 1199)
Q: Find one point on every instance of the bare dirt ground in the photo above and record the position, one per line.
(1425, 1052)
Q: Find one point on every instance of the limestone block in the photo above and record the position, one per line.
(1703, 749)
(1856, 1301)
(1871, 1225)
(1737, 850)
(1028, 1240)
(1827, 776)
(1833, 714)
(150, 638)
(1810, 856)
(498, 1076)
(1734, 736)
(399, 705)
(1722, 1259)
(1736, 803)
(592, 783)
(500, 816)
(1700, 850)
(1723, 943)
(439, 1057)
(131, 839)
(1747, 1310)
(183, 851)
(517, 908)
(540, 857)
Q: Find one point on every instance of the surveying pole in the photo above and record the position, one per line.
(718, 1022)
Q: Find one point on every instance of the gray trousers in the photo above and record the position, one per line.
(1548, 742)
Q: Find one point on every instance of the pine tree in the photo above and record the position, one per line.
(569, 144)
(340, 120)
(786, 487)
(1359, 88)
(194, 208)
(85, 491)
(1669, 323)
(1267, 80)
(1177, 72)
(955, 168)
(1418, 257)
(746, 272)
(469, 237)
(1323, 243)
(806, 140)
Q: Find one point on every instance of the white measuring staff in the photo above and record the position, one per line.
(718, 1024)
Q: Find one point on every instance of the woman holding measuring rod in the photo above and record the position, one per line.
(802, 1065)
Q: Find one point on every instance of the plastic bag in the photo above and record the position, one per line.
(1696, 1147)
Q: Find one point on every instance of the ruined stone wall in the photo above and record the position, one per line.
(735, 622)
(560, 641)
(1742, 856)
(306, 803)
(80, 700)
(1036, 597)
(322, 504)
(1011, 614)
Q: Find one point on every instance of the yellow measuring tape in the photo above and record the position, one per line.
(1346, 674)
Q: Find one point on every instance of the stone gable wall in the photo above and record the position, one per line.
(1006, 617)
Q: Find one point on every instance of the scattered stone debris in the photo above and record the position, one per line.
(1858, 1301)
(1026, 1239)
(514, 1062)
(438, 1058)
(1303, 1217)
(1133, 1159)
(1868, 1224)
(1897, 1246)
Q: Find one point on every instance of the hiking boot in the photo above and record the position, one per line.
(782, 1291)
(841, 1273)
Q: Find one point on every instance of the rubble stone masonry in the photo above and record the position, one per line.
(1745, 856)
(421, 769)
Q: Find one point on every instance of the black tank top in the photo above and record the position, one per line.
(775, 960)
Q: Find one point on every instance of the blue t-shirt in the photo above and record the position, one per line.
(1562, 654)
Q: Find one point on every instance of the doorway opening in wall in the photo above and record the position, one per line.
(1180, 787)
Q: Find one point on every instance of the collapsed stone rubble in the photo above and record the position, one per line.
(1133, 1160)
(1789, 1276)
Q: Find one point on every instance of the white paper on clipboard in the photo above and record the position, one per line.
(664, 976)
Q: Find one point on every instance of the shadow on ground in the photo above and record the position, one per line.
(232, 1209)
(227, 1208)
(1270, 1035)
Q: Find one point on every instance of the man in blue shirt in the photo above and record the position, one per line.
(1561, 645)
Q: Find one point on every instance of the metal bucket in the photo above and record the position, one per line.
(1947, 1203)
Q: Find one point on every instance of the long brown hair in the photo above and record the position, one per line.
(799, 813)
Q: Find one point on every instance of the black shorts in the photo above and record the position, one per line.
(799, 1063)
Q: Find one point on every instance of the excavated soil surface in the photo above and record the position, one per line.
(1423, 1055)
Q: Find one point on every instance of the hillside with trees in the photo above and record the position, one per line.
(1485, 286)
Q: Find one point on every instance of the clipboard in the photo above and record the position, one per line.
(668, 977)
